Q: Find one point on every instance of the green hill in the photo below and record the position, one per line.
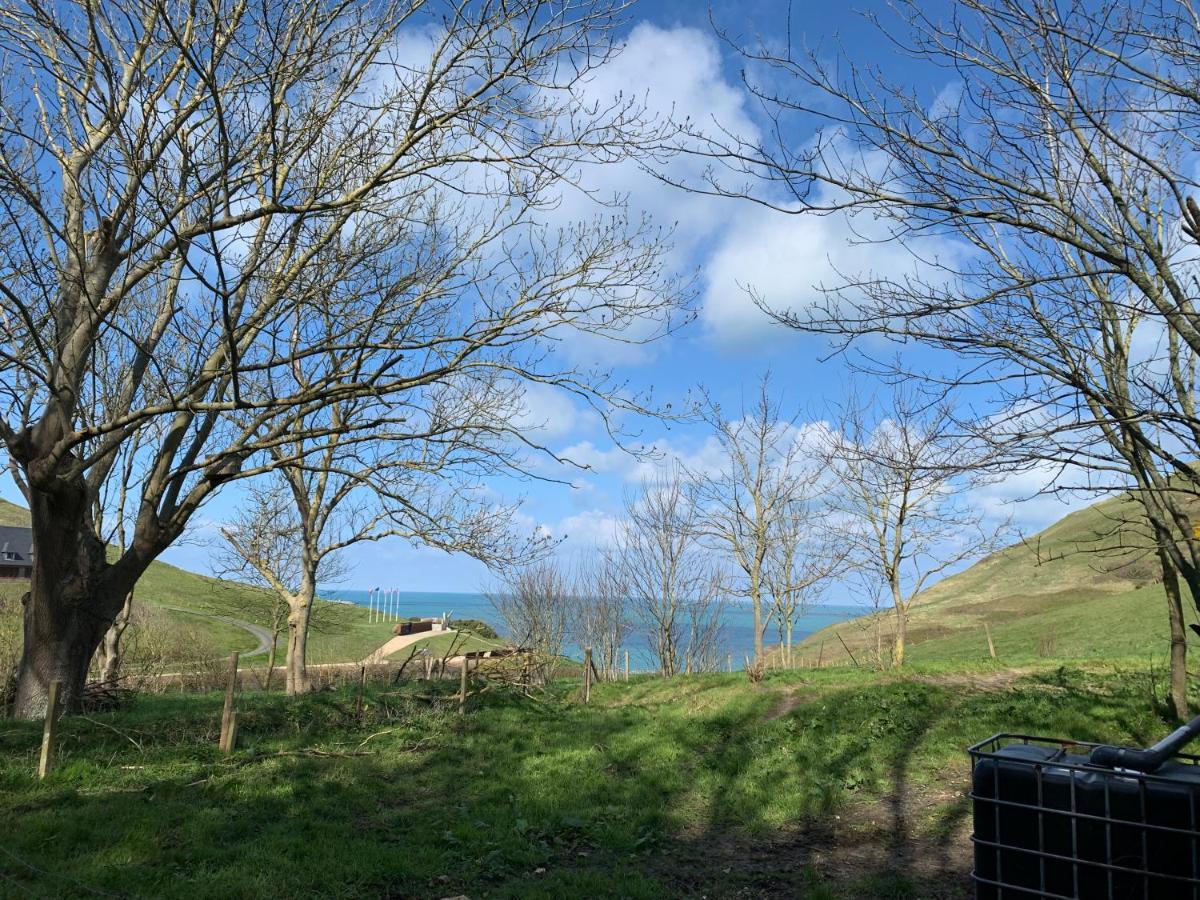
(11, 514)
(175, 613)
(1083, 588)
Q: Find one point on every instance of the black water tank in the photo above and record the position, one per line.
(1049, 824)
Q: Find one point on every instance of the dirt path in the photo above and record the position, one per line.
(917, 837)
(791, 698)
(989, 681)
(796, 695)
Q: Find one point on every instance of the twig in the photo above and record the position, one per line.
(140, 748)
(375, 735)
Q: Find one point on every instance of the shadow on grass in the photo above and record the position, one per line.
(690, 791)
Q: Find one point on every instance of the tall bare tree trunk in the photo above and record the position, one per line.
(300, 607)
(110, 648)
(74, 596)
(1177, 696)
(756, 603)
(272, 655)
(901, 638)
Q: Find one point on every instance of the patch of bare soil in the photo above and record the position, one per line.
(789, 699)
(915, 845)
(992, 681)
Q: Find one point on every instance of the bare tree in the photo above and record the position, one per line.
(114, 516)
(899, 497)
(535, 602)
(600, 616)
(263, 546)
(1046, 199)
(675, 588)
(181, 186)
(413, 476)
(741, 504)
(804, 554)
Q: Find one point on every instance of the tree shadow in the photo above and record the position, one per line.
(841, 795)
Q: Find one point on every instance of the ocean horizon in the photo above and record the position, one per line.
(737, 633)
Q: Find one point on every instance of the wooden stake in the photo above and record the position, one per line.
(847, 649)
(462, 686)
(991, 646)
(821, 654)
(50, 730)
(626, 665)
(362, 683)
(729, 661)
(587, 674)
(228, 716)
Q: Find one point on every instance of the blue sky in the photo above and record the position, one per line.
(673, 54)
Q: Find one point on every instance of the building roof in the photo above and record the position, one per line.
(16, 540)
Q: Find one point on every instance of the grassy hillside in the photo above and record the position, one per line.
(836, 783)
(1083, 588)
(11, 514)
(178, 607)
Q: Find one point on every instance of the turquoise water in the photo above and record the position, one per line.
(737, 636)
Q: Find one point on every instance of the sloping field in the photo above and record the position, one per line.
(179, 622)
(1083, 588)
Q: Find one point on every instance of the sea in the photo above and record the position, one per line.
(737, 632)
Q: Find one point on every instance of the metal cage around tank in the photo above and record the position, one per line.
(1049, 824)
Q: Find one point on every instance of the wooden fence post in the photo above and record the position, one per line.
(729, 661)
(847, 649)
(50, 729)
(991, 646)
(462, 685)
(587, 674)
(362, 683)
(228, 715)
(626, 665)
(821, 654)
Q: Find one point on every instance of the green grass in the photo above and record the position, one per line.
(11, 514)
(703, 785)
(221, 636)
(1065, 593)
(443, 643)
(341, 632)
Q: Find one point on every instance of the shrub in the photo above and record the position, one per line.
(1048, 645)
(475, 627)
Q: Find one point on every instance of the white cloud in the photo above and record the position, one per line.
(1034, 498)
(549, 413)
(676, 73)
(588, 529)
(788, 260)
